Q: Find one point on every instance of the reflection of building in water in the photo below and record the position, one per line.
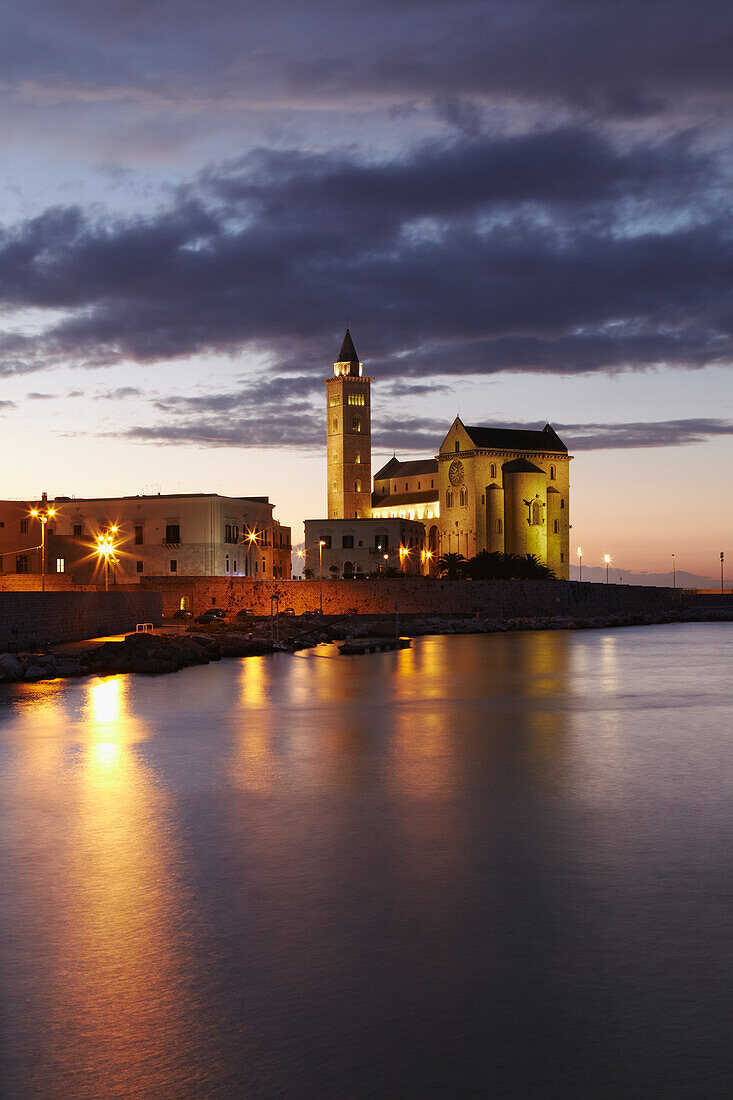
(488, 489)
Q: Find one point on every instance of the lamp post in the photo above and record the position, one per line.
(321, 544)
(301, 555)
(580, 563)
(43, 514)
(607, 559)
(722, 559)
(251, 536)
(674, 572)
(106, 550)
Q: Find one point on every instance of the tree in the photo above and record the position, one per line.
(451, 566)
(498, 566)
(308, 574)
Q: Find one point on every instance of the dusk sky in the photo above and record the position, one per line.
(524, 209)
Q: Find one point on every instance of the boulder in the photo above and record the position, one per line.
(10, 667)
(35, 672)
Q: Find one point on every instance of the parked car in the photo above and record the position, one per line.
(212, 615)
(181, 614)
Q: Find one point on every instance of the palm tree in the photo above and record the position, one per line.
(451, 566)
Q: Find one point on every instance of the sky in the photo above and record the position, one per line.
(522, 207)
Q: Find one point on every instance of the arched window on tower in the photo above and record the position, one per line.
(356, 424)
(357, 486)
(555, 527)
(535, 513)
(449, 498)
(552, 473)
(464, 496)
(493, 469)
(357, 458)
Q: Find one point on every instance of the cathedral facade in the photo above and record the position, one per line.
(487, 489)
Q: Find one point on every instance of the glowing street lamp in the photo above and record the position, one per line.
(105, 551)
(580, 563)
(404, 556)
(607, 559)
(674, 572)
(43, 514)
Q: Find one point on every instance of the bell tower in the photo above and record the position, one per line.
(349, 437)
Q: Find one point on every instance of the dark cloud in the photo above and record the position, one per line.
(5, 405)
(621, 60)
(35, 396)
(119, 394)
(556, 252)
(663, 433)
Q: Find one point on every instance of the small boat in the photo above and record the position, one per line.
(373, 645)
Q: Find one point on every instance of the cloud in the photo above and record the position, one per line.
(118, 394)
(6, 405)
(663, 433)
(555, 251)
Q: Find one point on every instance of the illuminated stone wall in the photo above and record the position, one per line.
(419, 595)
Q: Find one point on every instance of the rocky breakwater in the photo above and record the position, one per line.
(151, 654)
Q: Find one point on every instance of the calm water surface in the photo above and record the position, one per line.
(488, 866)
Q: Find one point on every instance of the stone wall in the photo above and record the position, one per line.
(38, 618)
(418, 595)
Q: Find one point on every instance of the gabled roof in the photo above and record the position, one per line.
(395, 468)
(515, 439)
(399, 500)
(348, 351)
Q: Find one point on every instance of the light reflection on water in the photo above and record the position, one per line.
(484, 865)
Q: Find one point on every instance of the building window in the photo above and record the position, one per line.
(174, 565)
(347, 542)
(552, 473)
(562, 556)
(458, 446)
(226, 564)
(60, 565)
(357, 486)
(335, 424)
(78, 530)
(257, 569)
(138, 535)
(334, 400)
(464, 496)
(356, 398)
(234, 570)
(381, 543)
(21, 563)
(554, 527)
(24, 527)
(562, 502)
(138, 567)
(493, 469)
(535, 513)
(326, 540)
(432, 484)
(356, 424)
(263, 565)
(172, 534)
(499, 527)
(231, 533)
(357, 459)
(449, 498)
(384, 489)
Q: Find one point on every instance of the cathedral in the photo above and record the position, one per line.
(494, 489)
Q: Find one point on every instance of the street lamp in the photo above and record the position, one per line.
(105, 551)
(43, 514)
(404, 556)
(301, 555)
(607, 559)
(580, 563)
(674, 572)
(251, 537)
(321, 544)
(722, 559)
